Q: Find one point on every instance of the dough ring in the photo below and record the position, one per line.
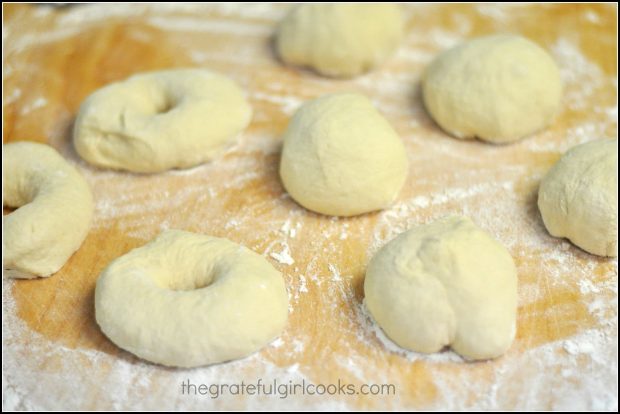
(55, 208)
(158, 121)
(187, 300)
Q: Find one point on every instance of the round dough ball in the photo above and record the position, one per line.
(497, 88)
(578, 198)
(187, 299)
(341, 39)
(341, 157)
(55, 207)
(158, 121)
(447, 283)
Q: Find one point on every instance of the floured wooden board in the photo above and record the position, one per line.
(564, 356)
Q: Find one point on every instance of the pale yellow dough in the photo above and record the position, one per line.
(447, 283)
(187, 299)
(498, 88)
(578, 198)
(342, 39)
(341, 157)
(54, 214)
(158, 121)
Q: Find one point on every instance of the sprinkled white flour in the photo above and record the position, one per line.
(284, 256)
(330, 333)
(37, 103)
(371, 328)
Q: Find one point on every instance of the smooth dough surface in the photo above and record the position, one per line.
(55, 206)
(340, 39)
(187, 299)
(447, 283)
(578, 198)
(497, 88)
(162, 120)
(341, 157)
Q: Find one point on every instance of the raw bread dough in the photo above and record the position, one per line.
(498, 88)
(341, 157)
(187, 299)
(55, 209)
(445, 283)
(157, 121)
(578, 198)
(342, 39)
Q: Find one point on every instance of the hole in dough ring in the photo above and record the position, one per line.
(55, 207)
(188, 300)
(157, 121)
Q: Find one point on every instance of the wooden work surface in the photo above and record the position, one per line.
(565, 352)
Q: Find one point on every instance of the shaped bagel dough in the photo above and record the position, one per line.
(187, 300)
(339, 39)
(55, 207)
(578, 198)
(341, 157)
(158, 121)
(447, 283)
(497, 88)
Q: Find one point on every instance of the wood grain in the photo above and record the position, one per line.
(54, 58)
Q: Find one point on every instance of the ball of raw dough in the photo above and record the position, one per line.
(497, 88)
(343, 39)
(187, 299)
(157, 121)
(578, 198)
(341, 157)
(55, 207)
(447, 283)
